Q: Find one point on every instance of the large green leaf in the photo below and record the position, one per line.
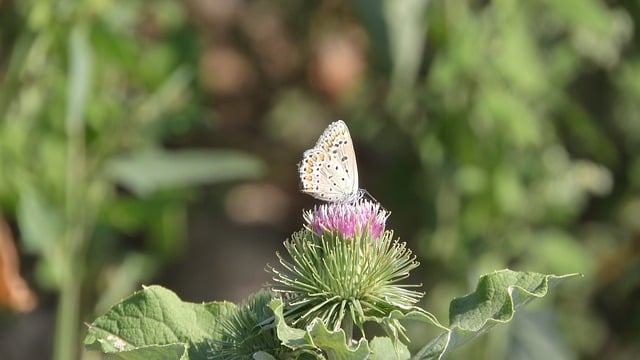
(317, 336)
(290, 337)
(382, 348)
(151, 170)
(497, 297)
(171, 351)
(155, 324)
(390, 325)
(334, 343)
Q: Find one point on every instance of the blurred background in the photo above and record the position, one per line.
(156, 142)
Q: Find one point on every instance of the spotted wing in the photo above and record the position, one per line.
(329, 171)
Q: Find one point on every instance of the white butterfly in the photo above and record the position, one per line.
(329, 170)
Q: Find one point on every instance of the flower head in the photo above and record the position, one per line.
(348, 219)
(337, 274)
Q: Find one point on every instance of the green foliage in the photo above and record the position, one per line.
(155, 323)
(495, 301)
(151, 171)
(523, 118)
(316, 336)
(86, 101)
(500, 133)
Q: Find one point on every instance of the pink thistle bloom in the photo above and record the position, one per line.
(350, 220)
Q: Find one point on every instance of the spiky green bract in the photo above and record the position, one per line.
(242, 333)
(344, 280)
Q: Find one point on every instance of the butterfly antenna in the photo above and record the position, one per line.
(364, 192)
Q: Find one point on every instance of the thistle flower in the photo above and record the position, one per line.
(344, 269)
(348, 219)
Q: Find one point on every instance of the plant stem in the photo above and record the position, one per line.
(77, 204)
(69, 308)
(67, 319)
(347, 327)
(73, 244)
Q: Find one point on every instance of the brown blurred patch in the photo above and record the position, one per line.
(226, 71)
(14, 291)
(257, 203)
(619, 261)
(278, 55)
(339, 64)
(236, 113)
(219, 14)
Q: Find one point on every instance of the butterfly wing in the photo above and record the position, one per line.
(329, 171)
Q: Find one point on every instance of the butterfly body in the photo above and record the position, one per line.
(329, 171)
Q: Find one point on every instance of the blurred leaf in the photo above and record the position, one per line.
(405, 24)
(125, 278)
(372, 16)
(509, 193)
(598, 32)
(148, 171)
(40, 223)
(559, 252)
(170, 92)
(533, 336)
(168, 230)
(132, 214)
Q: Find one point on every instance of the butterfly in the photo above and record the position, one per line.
(329, 171)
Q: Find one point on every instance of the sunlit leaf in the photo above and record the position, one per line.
(156, 321)
(148, 171)
(497, 297)
(382, 348)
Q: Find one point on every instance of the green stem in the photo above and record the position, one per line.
(69, 310)
(347, 327)
(75, 242)
(73, 245)
(67, 321)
